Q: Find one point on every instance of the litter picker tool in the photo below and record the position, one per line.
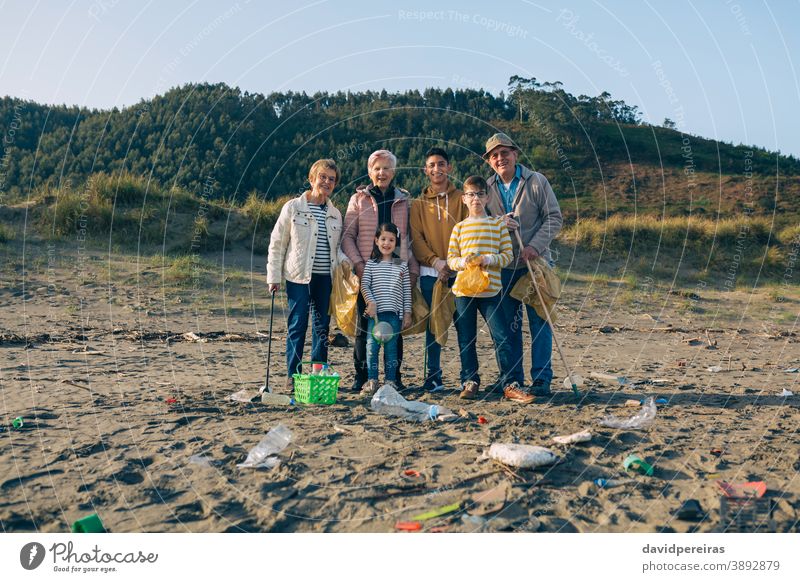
(267, 388)
(572, 379)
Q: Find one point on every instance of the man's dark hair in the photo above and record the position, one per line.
(437, 152)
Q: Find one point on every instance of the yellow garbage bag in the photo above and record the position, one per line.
(344, 298)
(419, 313)
(548, 283)
(471, 281)
(442, 309)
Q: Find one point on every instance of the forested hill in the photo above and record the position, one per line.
(595, 150)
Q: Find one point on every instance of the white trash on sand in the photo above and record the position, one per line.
(641, 419)
(260, 456)
(387, 401)
(579, 437)
(245, 395)
(608, 378)
(522, 456)
(787, 393)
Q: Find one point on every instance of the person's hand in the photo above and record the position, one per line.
(528, 254)
(360, 270)
(407, 320)
(274, 288)
(472, 259)
(445, 274)
(511, 224)
(439, 264)
(372, 309)
(484, 260)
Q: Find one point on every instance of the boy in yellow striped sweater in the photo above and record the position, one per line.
(483, 240)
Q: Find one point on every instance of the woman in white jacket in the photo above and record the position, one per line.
(303, 250)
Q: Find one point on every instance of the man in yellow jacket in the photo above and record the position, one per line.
(433, 216)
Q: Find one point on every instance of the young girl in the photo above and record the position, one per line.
(387, 292)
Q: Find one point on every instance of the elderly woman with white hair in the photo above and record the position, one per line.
(369, 207)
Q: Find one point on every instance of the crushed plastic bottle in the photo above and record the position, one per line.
(641, 419)
(522, 456)
(387, 401)
(274, 442)
(608, 378)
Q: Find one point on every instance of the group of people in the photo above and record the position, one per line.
(394, 243)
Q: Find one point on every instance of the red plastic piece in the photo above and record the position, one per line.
(408, 526)
(482, 420)
(743, 490)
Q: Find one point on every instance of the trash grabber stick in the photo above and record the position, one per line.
(547, 316)
(267, 387)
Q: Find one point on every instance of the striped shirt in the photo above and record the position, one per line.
(387, 284)
(322, 256)
(486, 236)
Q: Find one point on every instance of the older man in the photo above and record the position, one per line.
(528, 204)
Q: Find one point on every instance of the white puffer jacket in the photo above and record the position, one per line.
(294, 240)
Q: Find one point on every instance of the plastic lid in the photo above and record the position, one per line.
(433, 412)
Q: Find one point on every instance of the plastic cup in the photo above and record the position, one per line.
(576, 379)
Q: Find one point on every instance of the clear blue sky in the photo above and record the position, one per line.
(722, 69)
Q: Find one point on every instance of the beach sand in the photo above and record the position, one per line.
(93, 364)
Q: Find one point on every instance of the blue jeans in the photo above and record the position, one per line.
(466, 320)
(390, 360)
(314, 297)
(433, 349)
(541, 334)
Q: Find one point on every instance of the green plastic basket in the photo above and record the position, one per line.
(315, 389)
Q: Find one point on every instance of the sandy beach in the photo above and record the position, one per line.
(118, 403)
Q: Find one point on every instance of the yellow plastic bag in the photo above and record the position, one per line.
(443, 306)
(344, 299)
(548, 283)
(471, 281)
(419, 313)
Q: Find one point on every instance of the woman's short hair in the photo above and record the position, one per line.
(376, 155)
(326, 164)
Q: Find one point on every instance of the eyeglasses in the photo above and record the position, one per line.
(324, 178)
(481, 194)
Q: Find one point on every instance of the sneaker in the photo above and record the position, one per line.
(369, 388)
(289, 386)
(432, 385)
(514, 392)
(540, 388)
(470, 391)
(356, 385)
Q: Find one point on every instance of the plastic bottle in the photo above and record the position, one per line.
(274, 442)
(642, 419)
(606, 483)
(387, 401)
